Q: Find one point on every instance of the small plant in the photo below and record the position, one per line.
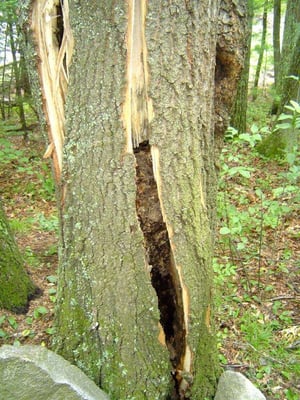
(52, 294)
(3, 333)
(39, 312)
(290, 120)
(31, 258)
(47, 224)
(50, 331)
(52, 279)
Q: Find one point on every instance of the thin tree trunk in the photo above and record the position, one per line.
(261, 51)
(276, 40)
(19, 95)
(3, 114)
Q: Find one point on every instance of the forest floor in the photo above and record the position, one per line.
(28, 197)
(256, 262)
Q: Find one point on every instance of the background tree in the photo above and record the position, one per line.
(15, 83)
(276, 39)
(16, 288)
(139, 186)
(287, 89)
(261, 49)
(239, 113)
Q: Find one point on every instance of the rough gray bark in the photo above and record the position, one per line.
(16, 288)
(144, 111)
(239, 113)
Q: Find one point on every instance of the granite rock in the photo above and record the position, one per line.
(36, 373)
(235, 386)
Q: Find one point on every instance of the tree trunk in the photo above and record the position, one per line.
(276, 39)
(16, 288)
(290, 60)
(262, 49)
(16, 70)
(135, 279)
(239, 113)
(291, 84)
(291, 23)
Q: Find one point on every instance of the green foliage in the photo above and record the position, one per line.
(8, 154)
(25, 161)
(47, 224)
(254, 206)
(8, 11)
(39, 312)
(290, 120)
(282, 141)
(52, 279)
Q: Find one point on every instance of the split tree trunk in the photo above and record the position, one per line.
(135, 281)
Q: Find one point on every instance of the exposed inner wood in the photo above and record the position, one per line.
(137, 108)
(166, 277)
(54, 43)
(164, 274)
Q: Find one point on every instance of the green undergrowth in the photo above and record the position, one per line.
(256, 265)
(28, 194)
(27, 186)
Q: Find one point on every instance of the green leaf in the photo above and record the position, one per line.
(3, 334)
(52, 278)
(29, 320)
(225, 230)
(245, 173)
(286, 125)
(290, 108)
(241, 246)
(282, 117)
(12, 322)
(39, 311)
(27, 332)
(50, 331)
(296, 106)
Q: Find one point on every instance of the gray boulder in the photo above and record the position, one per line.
(235, 386)
(36, 373)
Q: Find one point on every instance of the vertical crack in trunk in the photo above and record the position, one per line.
(164, 274)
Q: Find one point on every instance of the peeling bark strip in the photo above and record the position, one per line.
(54, 42)
(165, 275)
